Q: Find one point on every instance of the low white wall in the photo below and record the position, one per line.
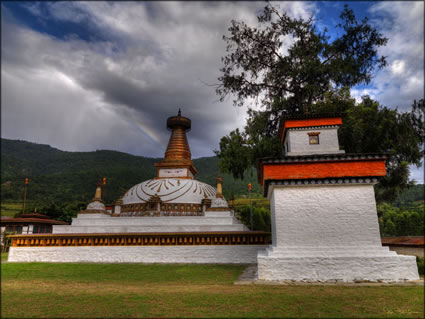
(64, 229)
(232, 254)
(153, 221)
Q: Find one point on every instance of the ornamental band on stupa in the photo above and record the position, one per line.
(170, 218)
(324, 220)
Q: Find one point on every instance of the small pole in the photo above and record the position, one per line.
(250, 207)
(25, 195)
(103, 187)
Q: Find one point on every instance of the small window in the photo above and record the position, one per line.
(313, 137)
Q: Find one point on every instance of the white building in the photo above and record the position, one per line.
(324, 220)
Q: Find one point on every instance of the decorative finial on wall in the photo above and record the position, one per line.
(219, 193)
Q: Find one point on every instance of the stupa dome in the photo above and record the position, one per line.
(170, 190)
(174, 191)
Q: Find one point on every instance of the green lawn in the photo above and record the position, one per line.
(137, 290)
(10, 209)
(259, 202)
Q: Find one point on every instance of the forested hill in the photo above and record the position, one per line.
(61, 177)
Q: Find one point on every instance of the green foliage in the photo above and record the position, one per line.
(371, 128)
(395, 221)
(260, 217)
(60, 183)
(255, 67)
(234, 155)
(414, 194)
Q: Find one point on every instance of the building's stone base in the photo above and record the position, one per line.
(223, 254)
(345, 265)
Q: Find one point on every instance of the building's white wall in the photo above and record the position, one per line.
(344, 269)
(173, 172)
(94, 215)
(331, 216)
(275, 233)
(329, 233)
(299, 143)
(231, 254)
(64, 229)
(152, 221)
(100, 223)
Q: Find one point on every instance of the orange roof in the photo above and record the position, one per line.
(321, 167)
(309, 120)
(417, 241)
(5, 220)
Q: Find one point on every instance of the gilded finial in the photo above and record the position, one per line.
(219, 193)
(98, 193)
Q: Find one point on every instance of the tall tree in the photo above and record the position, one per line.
(313, 74)
(259, 66)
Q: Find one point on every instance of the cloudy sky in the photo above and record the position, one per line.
(82, 76)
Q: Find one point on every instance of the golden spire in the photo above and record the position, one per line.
(177, 154)
(219, 193)
(98, 194)
(178, 147)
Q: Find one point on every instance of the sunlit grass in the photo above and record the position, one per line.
(259, 202)
(10, 209)
(158, 290)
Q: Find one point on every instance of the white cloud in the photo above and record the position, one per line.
(116, 93)
(398, 67)
(403, 80)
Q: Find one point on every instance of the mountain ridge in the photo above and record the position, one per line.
(62, 177)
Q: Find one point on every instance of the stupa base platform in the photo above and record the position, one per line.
(214, 247)
(371, 264)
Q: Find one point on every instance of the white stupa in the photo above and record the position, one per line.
(171, 202)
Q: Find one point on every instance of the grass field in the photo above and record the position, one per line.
(259, 202)
(137, 290)
(10, 209)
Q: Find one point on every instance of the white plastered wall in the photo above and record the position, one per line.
(227, 254)
(328, 233)
(299, 144)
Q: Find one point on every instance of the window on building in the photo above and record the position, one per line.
(14, 229)
(313, 137)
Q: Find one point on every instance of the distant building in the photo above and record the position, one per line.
(406, 245)
(32, 223)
